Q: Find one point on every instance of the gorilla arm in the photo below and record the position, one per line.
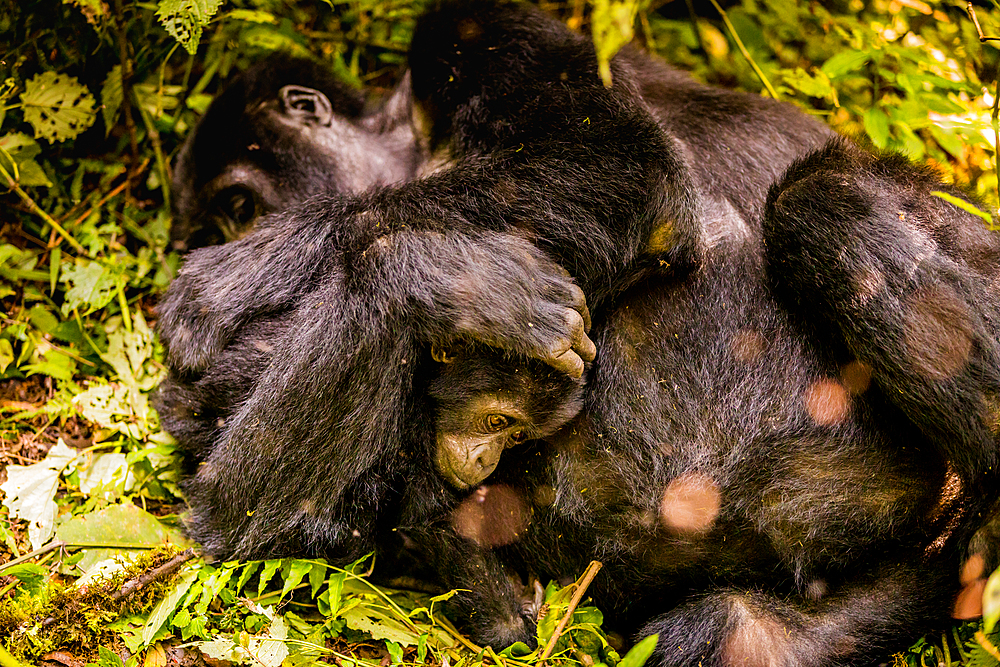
(543, 152)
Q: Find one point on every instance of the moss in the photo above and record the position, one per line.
(76, 619)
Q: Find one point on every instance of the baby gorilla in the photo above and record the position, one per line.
(471, 403)
(486, 401)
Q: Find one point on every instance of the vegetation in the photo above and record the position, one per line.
(95, 98)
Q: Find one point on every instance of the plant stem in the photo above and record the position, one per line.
(581, 588)
(34, 208)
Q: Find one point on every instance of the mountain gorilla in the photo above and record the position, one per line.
(791, 426)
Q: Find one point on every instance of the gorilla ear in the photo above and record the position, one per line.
(394, 111)
(307, 105)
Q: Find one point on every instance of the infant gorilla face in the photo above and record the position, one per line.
(487, 401)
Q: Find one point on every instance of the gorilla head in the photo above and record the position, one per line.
(285, 129)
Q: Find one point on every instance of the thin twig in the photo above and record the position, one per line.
(168, 568)
(51, 546)
(975, 21)
(127, 76)
(995, 113)
(743, 49)
(581, 588)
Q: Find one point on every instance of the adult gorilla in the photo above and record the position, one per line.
(789, 428)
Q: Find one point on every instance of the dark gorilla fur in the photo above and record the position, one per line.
(791, 426)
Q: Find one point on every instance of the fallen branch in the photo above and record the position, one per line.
(171, 566)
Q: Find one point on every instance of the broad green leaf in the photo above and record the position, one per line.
(22, 149)
(91, 286)
(57, 106)
(111, 98)
(108, 658)
(29, 492)
(379, 625)
(639, 654)
(184, 19)
(877, 126)
(395, 651)
(32, 577)
(813, 86)
(166, 606)
(844, 62)
(119, 527)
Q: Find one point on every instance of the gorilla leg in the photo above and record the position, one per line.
(906, 280)
(753, 628)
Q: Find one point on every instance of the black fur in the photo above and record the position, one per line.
(791, 425)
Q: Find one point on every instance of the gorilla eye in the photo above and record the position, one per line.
(495, 423)
(238, 204)
(517, 437)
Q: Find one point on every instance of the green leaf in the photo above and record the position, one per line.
(317, 575)
(293, 572)
(184, 19)
(92, 286)
(639, 654)
(22, 149)
(379, 625)
(845, 62)
(248, 572)
(30, 490)
(32, 577)
(107, 658)
(270, 567)
(612, 27)
(813, 86)
(111, 98)
(395, 651)
(6, 354)
(125, 526)
(57, 106)
(877, 126)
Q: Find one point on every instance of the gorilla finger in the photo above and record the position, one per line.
(568, 362)
(580, 343)
(578, 301)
